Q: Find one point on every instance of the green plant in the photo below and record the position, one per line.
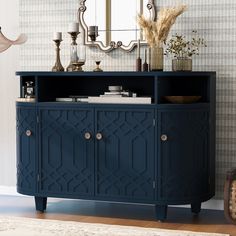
(180, 47)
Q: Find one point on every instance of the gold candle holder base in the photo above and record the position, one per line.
(78, 66)
(58, 66)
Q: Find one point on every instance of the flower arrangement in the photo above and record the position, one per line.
(180, 47)
(156, 32)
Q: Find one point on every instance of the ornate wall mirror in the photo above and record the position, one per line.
(111, 24)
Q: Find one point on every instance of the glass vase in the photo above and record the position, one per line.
(182, 64)
(157, 58)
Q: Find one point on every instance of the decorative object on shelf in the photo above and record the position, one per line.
(27, 93)
(97, 57)
(5, 43)
(229, 196)
(81, 58)
(57, 38)
(156, 32)
(116, 94)
(115, 88)
(145, 64)
(98, 69)
(183, 50)
(120, 100)
(29, 89)
(182, 64)
(157, 58)
(182, 99)
(138, 60)
(73, 31)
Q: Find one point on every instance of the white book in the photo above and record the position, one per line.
(111, 95)
(122, 100)
(64, 100)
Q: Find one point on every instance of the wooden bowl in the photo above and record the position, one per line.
(182, 99)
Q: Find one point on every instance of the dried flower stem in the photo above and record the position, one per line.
(156, 32)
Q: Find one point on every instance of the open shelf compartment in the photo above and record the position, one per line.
(184, 88)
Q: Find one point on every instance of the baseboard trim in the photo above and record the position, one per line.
(212, 204)
(9, 190)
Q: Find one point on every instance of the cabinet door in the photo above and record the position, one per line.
(183, 154)
(26, 149)
(125, 154)
(66, 156)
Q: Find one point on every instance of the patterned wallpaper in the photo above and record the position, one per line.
(213, 19)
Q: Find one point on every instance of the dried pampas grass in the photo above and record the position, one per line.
(156, 32)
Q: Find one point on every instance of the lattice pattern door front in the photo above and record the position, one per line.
(66, 156)
(125, 154)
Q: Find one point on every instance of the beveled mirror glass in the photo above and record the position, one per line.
(116, 21)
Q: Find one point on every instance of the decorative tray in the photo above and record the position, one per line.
(182, 99)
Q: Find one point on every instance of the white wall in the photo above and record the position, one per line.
(9, 60)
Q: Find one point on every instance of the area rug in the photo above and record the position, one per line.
(18, 226)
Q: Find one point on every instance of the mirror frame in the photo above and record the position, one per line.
(113, 45)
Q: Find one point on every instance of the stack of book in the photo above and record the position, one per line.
(117, 95)
(123, 100)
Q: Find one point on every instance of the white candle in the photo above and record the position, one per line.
(57, 36)
(73, 27)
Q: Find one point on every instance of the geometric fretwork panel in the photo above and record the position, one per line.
(26, 120)
(66, 157)
(184, 170)
(125, 155)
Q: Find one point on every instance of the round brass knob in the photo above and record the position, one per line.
(87, 136)
(98, 136)
(164, 137)
(28, 132)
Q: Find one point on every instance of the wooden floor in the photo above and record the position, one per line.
(115, 213)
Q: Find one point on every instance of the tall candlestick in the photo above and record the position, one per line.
(57, 66)
(145, 65)
(138, 60)
(139, 48)
(57, 36)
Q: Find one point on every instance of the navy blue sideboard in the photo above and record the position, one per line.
(160, 153)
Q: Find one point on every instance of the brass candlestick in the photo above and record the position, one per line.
(57, 66)
(73, 52)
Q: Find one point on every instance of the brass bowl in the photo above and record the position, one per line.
(182, 99)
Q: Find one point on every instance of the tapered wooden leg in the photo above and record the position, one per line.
(161, 212)
(196, 207)
(40, 203)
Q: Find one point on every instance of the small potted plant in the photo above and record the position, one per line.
(183, 50)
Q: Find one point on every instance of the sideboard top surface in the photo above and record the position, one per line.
(113, 73)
